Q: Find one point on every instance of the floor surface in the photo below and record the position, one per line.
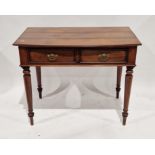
(77, 108)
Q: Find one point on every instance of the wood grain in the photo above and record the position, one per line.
(28, 90)
(78, 46)
(127, 91)
(118, 83)
(92, 56)
(41, 55)
(77, 37)
(38, 74)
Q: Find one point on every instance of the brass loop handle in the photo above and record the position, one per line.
(103, 57)
(52, 57)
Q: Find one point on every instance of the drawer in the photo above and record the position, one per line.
(49, 56)
(103, 56)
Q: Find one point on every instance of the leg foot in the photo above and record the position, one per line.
(125, 115)
(31, 114)
(117, 92)
(40, 92)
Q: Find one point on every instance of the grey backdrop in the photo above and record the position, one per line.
(75, 87)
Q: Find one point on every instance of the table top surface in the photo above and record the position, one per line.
(77, 37)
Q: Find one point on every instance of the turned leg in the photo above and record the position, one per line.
(128, 83)
(38, 73)
(28, 89)
(119, 74)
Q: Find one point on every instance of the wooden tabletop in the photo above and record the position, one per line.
(77, 37)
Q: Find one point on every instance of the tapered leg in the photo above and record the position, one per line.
(118, 84)
(38, 73)
(128, 83)
(28, 89)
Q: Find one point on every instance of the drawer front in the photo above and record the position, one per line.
(103, 56)
(50, 56)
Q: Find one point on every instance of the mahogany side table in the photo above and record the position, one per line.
(77, 46)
